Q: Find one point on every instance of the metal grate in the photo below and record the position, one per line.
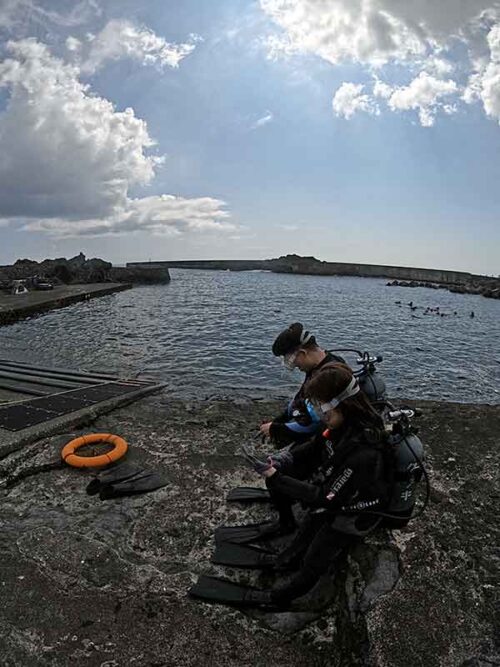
(39, 410)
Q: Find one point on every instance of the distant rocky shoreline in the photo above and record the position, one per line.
(490, 289)
(80, 270)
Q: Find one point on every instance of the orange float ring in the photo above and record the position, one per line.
(72, 459)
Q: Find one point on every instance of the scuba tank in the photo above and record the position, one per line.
(370, 380)
(407, 453)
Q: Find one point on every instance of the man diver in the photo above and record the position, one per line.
(299, 349)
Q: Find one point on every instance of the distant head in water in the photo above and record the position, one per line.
(298, 348)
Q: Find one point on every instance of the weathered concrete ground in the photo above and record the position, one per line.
(85, 582)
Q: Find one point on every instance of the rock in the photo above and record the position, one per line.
(81, 577)
(81, 271)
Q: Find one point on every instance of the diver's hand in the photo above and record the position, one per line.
(281, 458)
(270, 471)
(265, 429)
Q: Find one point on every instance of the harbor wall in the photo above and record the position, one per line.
(312, 266)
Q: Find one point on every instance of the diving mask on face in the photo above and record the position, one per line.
(289, 360)
(322, 409)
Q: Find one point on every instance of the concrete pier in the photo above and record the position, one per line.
(19, 306)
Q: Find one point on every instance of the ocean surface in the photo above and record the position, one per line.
(209, 333)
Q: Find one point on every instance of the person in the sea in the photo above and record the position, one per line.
(354, 481)
(299, 349)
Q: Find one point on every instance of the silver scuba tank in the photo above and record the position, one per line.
(408, 453)
(373, 385)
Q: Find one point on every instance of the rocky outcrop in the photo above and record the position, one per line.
(82, 271)
(488, 287)
(104, 583)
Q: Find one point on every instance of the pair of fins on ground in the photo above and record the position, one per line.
(233, 548)
(124, 479)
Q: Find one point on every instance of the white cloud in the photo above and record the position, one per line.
(264, 120)
(19, 14)
(349, 99)
(122, 39)
(161, 215)
(370, 31)
(484, 83)
(421, 36)
(423, 94)
(382, 89)
(69, 158)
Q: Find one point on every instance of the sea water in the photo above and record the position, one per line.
(210, 333)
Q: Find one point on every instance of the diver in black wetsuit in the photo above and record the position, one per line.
(354, 478)
(299, 350)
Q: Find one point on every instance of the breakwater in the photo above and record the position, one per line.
(456, 281)
(313, 266)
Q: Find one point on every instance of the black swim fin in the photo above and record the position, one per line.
(116, 473)
(140, 483)
(248, 494)
(251, 532)
(223, 591)
(239, 555)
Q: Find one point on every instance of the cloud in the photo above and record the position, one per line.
(161, 215)
(423, 94)
(122, 39)
(484, 83)
(429, 41)
(69, 158)
(20, 14)
(267, 118)
(349, 99)
(370, 31)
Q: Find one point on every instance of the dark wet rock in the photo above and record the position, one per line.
(481, 285)
(80, 270)
(85, 581)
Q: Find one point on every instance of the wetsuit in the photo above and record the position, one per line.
(353, 476)
(295, 424)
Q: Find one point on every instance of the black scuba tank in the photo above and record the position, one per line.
(407, 455)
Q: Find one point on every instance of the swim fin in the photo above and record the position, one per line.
(251, 532)
(141, 483)
(223, 591)
(116, 473)
(239, 555)
(248, 494)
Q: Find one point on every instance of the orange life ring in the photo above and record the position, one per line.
(72, 459)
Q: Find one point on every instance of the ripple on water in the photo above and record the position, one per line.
(211, 332)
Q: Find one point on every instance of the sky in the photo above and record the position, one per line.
(361, 131)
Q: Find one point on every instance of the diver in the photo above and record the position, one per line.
(299, 350)
(343, 500)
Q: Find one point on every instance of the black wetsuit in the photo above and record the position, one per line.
(295, 424)
(353, 476)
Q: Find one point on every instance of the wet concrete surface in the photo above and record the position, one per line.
(90, 582)
(15, 307)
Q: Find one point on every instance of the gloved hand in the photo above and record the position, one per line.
(260, 467)
(281, 458)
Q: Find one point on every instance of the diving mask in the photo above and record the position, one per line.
(322, 408)
(289, 360)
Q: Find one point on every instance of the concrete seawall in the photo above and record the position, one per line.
(208, 265)
(312, 266)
